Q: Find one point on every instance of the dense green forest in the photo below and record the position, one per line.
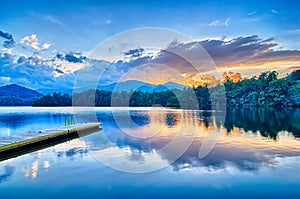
(16, 101)
(57, 99)
(266, 90)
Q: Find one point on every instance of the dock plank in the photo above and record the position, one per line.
(34, 141)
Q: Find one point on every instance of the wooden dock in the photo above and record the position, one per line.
(46, 138)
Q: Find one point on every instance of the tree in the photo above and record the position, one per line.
(265, 91)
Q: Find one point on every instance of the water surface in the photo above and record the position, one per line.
(255, 153)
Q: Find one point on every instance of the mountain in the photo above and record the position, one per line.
(126, 86)
(140, 86)
(46, 91)
(169, 86)
(18, 91)
(16, 95)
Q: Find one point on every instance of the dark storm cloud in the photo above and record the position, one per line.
(200, 56)
(188, 59)
(224, 53)
(71, 57)
(59, 71)
(237, 50)
(134, 53)
(6, 35)
(9, 40)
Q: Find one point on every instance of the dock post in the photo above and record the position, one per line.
(68, 121)
(74, 120)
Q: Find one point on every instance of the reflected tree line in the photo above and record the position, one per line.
(267, 90)
(268, 123)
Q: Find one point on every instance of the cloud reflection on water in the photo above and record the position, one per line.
(241, 145)
(8, 171)
(237, 145)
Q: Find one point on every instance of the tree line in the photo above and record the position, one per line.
(266, 90)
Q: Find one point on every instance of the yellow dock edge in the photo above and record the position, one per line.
(27, 145)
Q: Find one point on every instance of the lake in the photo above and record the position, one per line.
(151, 152)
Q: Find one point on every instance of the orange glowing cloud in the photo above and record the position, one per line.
(230, 59)
(235, 77)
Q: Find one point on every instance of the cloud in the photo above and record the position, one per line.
(214, 23)
(48, 18)
(33, 42)
(226, 23)
(134, 53)
(237, 50)
(73, 57)
(7, 50)
(53, 20)
(4, 79)
(245, 56)
(9, 40)
(251, 13)
(200, 79)
(38, 72)
(27, 71)
(6, 35)
(220, 23)
(241, 55)
(46, 46)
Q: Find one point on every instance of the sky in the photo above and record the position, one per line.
(46, 43)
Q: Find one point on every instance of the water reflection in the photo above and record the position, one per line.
(242, 157)
(268, 122)
(8, 171)
(171, 119)
(239, 140)
(37, 163)
(71, 149)
(13, 124)
(32, 170)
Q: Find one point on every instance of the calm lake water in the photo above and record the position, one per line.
(150, 152)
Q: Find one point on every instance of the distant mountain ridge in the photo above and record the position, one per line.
(121, 86)
(18, 91)
(46, 91)
(140, 86)
(16, 95)
(23, 92)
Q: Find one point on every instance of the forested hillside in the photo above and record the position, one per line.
(266, 90)
(15, 95)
